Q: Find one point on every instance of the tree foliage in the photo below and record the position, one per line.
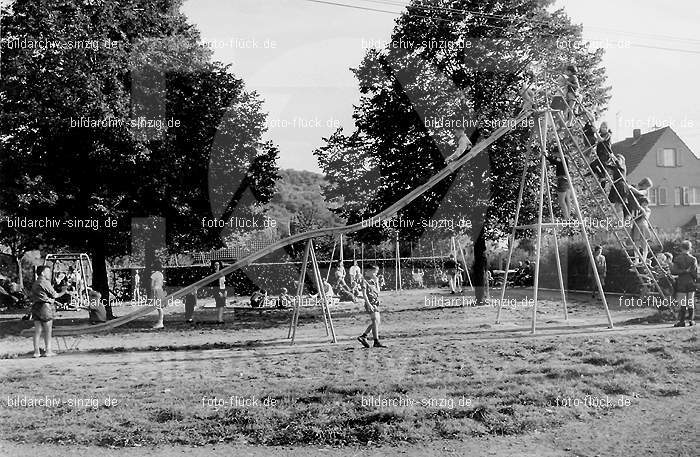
(143, 64)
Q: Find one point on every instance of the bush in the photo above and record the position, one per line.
(576, 268)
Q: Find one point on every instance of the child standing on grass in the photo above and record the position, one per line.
(43, 309)
(220, 294)
(370, 293)
(158, 292)
(190, 304)
(686, 267)
(602, 267)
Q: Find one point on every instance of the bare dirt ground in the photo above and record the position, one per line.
(437, 349)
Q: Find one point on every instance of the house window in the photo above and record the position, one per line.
(662, 196)
(666, 158)
(694, 196)
(678, 197)
(653, 196)
(687, 196)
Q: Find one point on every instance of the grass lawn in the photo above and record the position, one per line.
(448, 373)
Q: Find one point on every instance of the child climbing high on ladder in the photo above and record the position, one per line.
(638, 204)
(563, 187)
(568, 85)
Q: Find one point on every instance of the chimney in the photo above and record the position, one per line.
(636, 133)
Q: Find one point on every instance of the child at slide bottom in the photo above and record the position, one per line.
(686, 267)
(370, 292)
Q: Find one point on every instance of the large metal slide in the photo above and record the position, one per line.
(386, 214)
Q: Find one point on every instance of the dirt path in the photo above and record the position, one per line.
(281, 346)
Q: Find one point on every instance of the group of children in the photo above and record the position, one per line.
(682, 269)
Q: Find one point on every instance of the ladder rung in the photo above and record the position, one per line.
(544, 225)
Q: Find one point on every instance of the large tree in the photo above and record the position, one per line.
(134, 66)
(451, 61)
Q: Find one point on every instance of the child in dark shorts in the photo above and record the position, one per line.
(619, 191)
(95, 308)
(563, 187)
(220, 294)
(190, 304)
(370, 293)
(686, 267)
(43, 309)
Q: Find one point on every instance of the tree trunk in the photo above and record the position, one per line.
(480, 266)
(100, 283)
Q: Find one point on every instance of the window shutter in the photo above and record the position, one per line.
(663, 198)
(686, 196)
(678, 196)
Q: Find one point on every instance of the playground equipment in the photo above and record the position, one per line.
(457, 249)
(595, 191)
(579, 164)
(310, 254)
(81, 276)
(385, 214)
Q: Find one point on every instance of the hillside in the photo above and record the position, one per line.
(298, 197)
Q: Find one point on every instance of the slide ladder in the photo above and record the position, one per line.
(581, 155)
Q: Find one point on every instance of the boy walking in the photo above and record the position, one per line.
(370, 293)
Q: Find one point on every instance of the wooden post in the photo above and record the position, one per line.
(327, 319)
(398, 265)
(511, 239)
(466, 267)
(330, 262)
(543, 172)
(556, 252)
(591, 258)
(320, 286)
(362, 259)
(342, 255)
(300, 291)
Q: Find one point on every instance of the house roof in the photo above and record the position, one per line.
(635, 149)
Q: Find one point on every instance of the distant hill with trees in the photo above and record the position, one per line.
(298, 198)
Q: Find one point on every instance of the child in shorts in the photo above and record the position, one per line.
(370, 293)
(190, 305)
(685, 266)
(43, 309)
(220, 294)
(602, 267)
(638, 204)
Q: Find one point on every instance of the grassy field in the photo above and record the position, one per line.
(448, 373)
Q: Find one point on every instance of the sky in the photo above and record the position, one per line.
(297, 54)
